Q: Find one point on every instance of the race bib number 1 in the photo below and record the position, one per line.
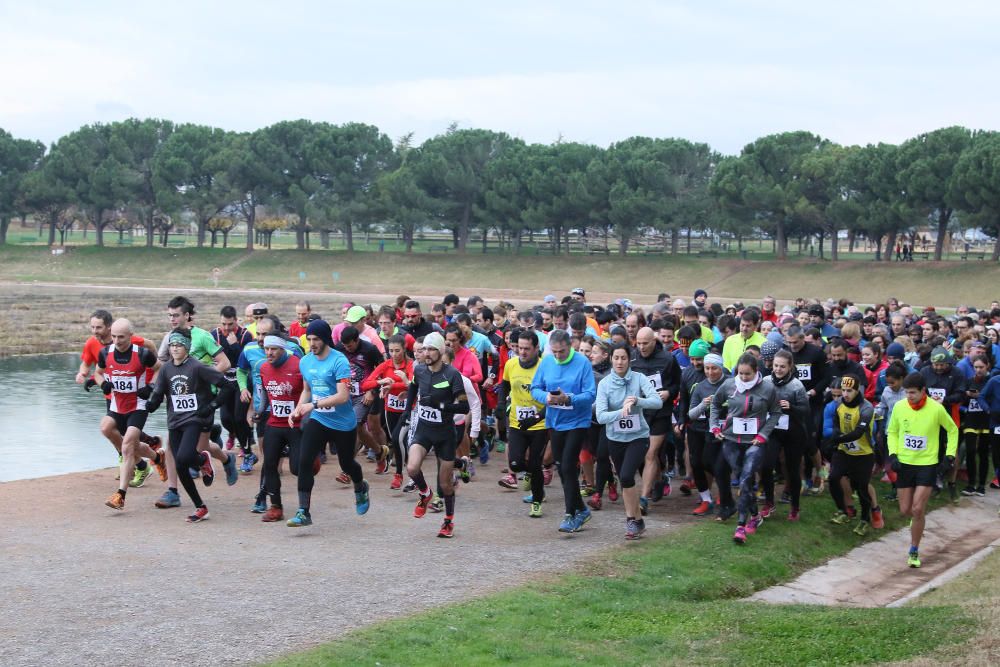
(915, 442)
(744, 426)
(185, 402)
(282, 408)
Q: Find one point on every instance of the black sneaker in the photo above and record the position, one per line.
(410, 487)
(969, 491)
(980, 491)
(725, 511)
(786, 498)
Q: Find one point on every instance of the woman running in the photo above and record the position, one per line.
(789, 435)
(392, 378)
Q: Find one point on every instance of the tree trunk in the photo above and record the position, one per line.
(566, 232)
(780, 241)
(675, 239)
(324, 239)
(225, 238)
(943, 217)
(485, 240)
(689, 240)
(890, 246)
(202, 227)
(994, 257)
(822, 237)
(4, 225)
(408, 239)
(623, 241)
(349, 236)
(878, 249)
(150, 231)
(834, 249)
(300, 233)
(251, 220)
(517, 242)
(463, 228)
(739, 242)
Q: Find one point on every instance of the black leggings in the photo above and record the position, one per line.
(603, 473)
(233, 416)
(628, 457)
(566, 450)
(525, 452)
(395, 439)
(314, 439)
(977, 446)
(858, 469)
(790, 442)
(702, 465)
(184, 445)
(275, 440)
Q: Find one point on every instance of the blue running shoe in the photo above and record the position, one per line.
(362, 501)
(248, 463)
(581, 517)
(300, 519)
(232, 474)
(259, 507)
(168, 499)
(643, 505)
(484, 455)
(528, 499)
(568, 524)
(194, 472)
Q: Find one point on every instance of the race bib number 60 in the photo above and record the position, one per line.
(628, 424)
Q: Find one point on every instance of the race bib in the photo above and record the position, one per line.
(851, 447)
(936, 394)
(628, 424)
(804, 371)
(915, 442)
(657, 381)
(974, 405)
(744, 426)
(282, 409)
(123, 384)
(355, 389)
(782, 423)
(319, 409)
(395, 402)
(996, 430)
(184, 402)
(525, 413)
(431, 415)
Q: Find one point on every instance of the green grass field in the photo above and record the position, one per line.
(529, 277)
(671, 600)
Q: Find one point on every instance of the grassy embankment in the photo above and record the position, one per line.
(670, 600)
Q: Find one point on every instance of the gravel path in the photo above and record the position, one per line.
(85, 585)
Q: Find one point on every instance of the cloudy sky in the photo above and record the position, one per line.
(597, 72)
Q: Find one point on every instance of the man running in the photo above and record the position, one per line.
(364, 358)
(232, 338)
(914, 442)
(526, 429)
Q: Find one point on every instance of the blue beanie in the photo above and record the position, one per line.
(321, 330)
(895, 350)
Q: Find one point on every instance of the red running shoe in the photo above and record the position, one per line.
(207, 471)
(612, 491)
(397, 482)
(421, 509)
(344, 478)
(447, 529)
(704, 508)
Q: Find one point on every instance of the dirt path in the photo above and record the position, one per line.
(84, 585)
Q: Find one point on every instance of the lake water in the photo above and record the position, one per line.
(48, 424)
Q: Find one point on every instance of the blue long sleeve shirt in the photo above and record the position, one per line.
(573, 377)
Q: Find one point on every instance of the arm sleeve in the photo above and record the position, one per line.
(697, 409)
(371, 382)
(411, 397)
(773, 415)
(589, 392)
(948, 424)
(539, 390)
(672, 379)
(603, 414)
(241, 379)
(957, 395)
(892, 433)
(864, 423)
(800, 405)
(830, 427)
(715, 412)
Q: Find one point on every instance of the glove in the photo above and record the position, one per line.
(144, 392)
(153, 403)
(827, 446)
(759, 440)
(206, 410)
(947, 465)
(107, 387)
(528, 422)
(894, 464)
(89, 384)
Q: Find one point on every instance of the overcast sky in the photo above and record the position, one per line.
(596, 72)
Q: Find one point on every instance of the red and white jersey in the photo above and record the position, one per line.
(283, 385)
(127, 374)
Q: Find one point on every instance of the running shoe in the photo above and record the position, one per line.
(370, 455)
(725, 511)
(301, 518)
(410, 487)
(786, 498)
(839, 518)
(686, 487)
(259, 507)
(273, 514)
(878, 522)
(656, 493)
(362, 500)
(536, 511)
(422, 503)
(861, 529)
(472, 468)
(206, 470)
(581, 517)
(704, 508)
(892, 496)
(547, 475)
(753, 524)
(980, 491)
(500, 446)
(851, 512)
(567, 524)
(447, 529)
(666, 487)
(793, 514)
(139, 478)
(766, 510)
(740, 536)
(200, 514)
(953, 494)
(160, 463)
(344, 478)
(594, 501)
(463, 469)
(484, 455)
(248, 463)
(230, 442)
(995, 484)
(643, 505)
(116, 501)
(232, 474)
(913, 558)
(587, 491)
(612, 491)
(397, 482)
(526, 482)
(168, 499)
(194, 472)
(508, 481)
(437, 505)
(382, 465)
(528, 499)
(631, 529)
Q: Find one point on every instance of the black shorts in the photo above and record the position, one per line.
(136, 418)
(661, 425)
(442, 441)
(911, 476)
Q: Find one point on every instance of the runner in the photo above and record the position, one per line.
(851, 454)
(705, 451)
(326, 399)
(441, 395)
(121, 373)
(744, 411)
(391, 379)
(303, 311)
(188, 384)
(564, 382)
(526, 430)
(946, 385)
(976, 430)
(914, 441)
(232, 338)
(736, 346)
(622, 399)
(789, 436)
(364, 358)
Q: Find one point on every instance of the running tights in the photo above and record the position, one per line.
(628, 457)
(184, 445)
(566, 450)
(858, 469)
(525, 451)
(276, 438)
(791, 443)
(315, 436)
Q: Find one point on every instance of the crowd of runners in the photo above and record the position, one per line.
(741, 407)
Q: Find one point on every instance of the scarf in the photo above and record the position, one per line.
(743, 387)
(603, 366)
(919, 404)
(781, 382)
